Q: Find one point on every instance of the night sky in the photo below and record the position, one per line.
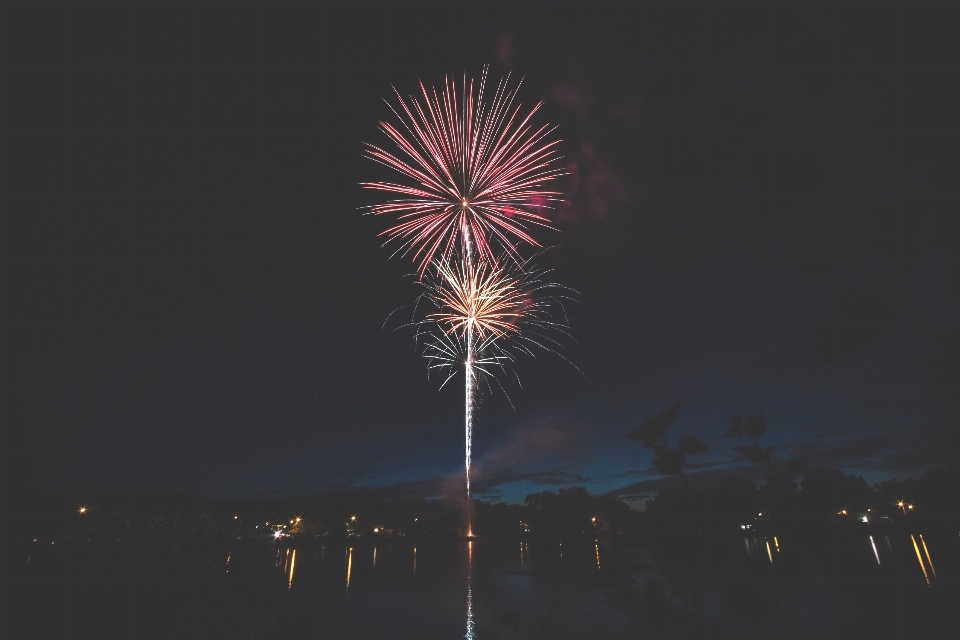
(757, 217)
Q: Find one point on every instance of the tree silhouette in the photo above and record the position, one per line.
(652, 434)
(753, 427)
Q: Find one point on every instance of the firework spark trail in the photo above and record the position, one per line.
(477, 172)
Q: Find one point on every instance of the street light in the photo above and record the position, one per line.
(900, 504)
(84, 509)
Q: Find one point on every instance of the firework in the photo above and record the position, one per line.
(508, 309)
(484, 318)
(476, 172)
(474, 184)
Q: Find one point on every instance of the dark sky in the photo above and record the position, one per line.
(757, 217)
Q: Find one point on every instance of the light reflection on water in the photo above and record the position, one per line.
(758, 547)
(293, 561)
(920, 560)
(422, 585)
(429, 585)
(349, 568)
(929, 560)
(879, 548)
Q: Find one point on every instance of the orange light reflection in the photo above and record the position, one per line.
(928, 556)
(349, 567)
(293, 560)
(920, 560)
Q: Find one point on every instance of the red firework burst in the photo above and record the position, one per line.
(476, 172)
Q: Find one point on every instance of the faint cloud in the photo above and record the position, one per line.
(505, 49)
(572, 96)
(549, 442)
(594, 190)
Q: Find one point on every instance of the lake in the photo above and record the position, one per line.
(398, 588)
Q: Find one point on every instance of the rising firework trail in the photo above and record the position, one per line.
(487, 317)
(474, 183)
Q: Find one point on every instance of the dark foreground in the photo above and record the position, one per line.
(675, 572)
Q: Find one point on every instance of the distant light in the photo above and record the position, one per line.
(414, 519)
(376, 530)
(865, 519)
(277, 534)
(235, 517)
(84, 509)
(594, 519)
(353, 518)
(298, 519)
(900, 504)
(759, 515)
(909, 506)
(291, 522)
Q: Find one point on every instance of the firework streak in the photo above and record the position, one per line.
(474, 175)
